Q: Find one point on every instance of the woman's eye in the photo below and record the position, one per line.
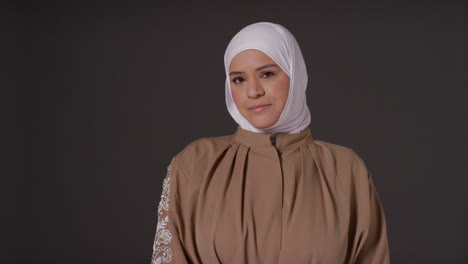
(268, 74)
(237, 80)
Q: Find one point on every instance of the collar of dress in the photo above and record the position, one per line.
(281, 141)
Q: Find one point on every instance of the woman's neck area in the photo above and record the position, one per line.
(278, 140)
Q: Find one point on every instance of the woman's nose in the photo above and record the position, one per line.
(255, 89)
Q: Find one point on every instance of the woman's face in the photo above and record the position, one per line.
(259, 87)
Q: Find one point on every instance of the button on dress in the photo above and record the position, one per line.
(253, 198)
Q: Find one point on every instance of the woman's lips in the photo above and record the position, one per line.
(259, 108)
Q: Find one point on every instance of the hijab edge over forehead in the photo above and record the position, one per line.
(264, 51)
(281, 46)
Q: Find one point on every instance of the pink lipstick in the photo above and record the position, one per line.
(259, 108)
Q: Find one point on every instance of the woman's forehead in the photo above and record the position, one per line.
(250, 57)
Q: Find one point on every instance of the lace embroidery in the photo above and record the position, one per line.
(161, 252)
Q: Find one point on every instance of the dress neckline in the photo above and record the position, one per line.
(281, 141)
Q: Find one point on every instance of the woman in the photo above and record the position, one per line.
(269, 193)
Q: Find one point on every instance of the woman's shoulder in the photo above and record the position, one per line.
(343, 157)
(334, 149)
(348, 163)
(200, 153)
(206, 145)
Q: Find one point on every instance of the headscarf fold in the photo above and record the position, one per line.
(281, 46)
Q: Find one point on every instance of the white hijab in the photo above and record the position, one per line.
(281, 46)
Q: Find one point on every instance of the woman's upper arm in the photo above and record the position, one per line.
(375, 249)
(169, 245)
(371, 239)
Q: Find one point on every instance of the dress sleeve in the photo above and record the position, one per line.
(168, 244)
(375, 246)
(372, 239)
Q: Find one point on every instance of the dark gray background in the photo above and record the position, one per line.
(106, 95)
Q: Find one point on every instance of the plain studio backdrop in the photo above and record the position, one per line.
(105, 95)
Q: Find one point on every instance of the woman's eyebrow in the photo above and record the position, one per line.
(258, 69)
(266, 66)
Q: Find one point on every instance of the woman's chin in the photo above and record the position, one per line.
(261, 121)
(262, 124)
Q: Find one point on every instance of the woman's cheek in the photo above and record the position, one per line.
(235, 97)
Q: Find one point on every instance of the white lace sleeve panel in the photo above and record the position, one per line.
(173, 242)
(162, 252)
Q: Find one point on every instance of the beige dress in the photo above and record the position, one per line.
(244, 198)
